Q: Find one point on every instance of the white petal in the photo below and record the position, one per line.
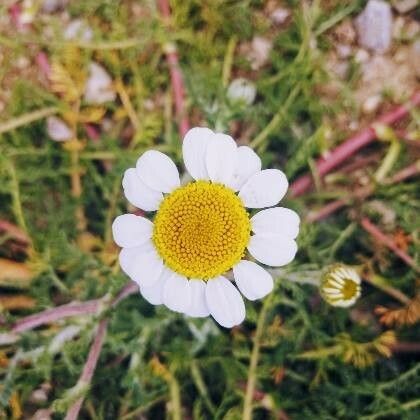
(158, 171)
(154, 293)
(224, 302)
(252, 280)
(264, 189)
(142, 264)
(345, 303)
(130, 230)
(198, 306)
(194, 149)
(272, 250)
(177, 293)
(138, 193)
(276, 221)
(248, 163)
(221, 157)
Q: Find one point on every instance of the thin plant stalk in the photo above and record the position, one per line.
(253, 364)
(352, 145)
(89, 368)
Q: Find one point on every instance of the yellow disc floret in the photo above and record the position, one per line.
(201, 230)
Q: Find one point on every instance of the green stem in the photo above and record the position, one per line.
(275, 121)
(253, 364)
(16, 200)
(175, 395)
(403, 377)
(201, 386)
(227, 63)
(389, 161)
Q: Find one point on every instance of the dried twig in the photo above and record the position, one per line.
(402, 347)
(89, 368)
(361, 193)
(381, 238)
(27, 118)
(352, 145)
(89, 307)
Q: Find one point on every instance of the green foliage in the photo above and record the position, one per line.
(315, 361)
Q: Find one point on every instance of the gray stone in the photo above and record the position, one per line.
(374, 26)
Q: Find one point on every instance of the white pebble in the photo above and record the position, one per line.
(371, 104)
(98, 88)
(58, 130)
(374, 26)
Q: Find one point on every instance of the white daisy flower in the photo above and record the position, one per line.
(202, 230)
(340, 286)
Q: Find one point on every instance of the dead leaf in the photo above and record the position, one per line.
(406, 315)
(14, 274)
(16, 302)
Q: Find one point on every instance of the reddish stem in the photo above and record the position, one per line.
(405, 173)
(352, 145)
(89, 368)
(92, 132)
(60, 312)
(17, 233)
(43, 64)
(361, 193)
(406, 347)
(54, 314)
(381, 238)
(176, 75)
(15, 11)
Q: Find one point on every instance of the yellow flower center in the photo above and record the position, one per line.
(349, 289)
(201, 230)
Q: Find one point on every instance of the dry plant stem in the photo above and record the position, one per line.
(54, 314)
(381, 238)
(405, 173)
(352, 145)
(389, 290)
(253, 364)
(176, 75)
(27, 119)
(128, 106)
(402, 347)
(363, 192)
(76, 189)
(335, 205)
(74, 148)
(89, 307)
(89, 368)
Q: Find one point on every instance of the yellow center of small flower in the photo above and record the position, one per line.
(349, 289)
(201, 230)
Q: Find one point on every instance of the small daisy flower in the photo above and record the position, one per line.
(340, 286)
(242, 90)
(201, 231)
